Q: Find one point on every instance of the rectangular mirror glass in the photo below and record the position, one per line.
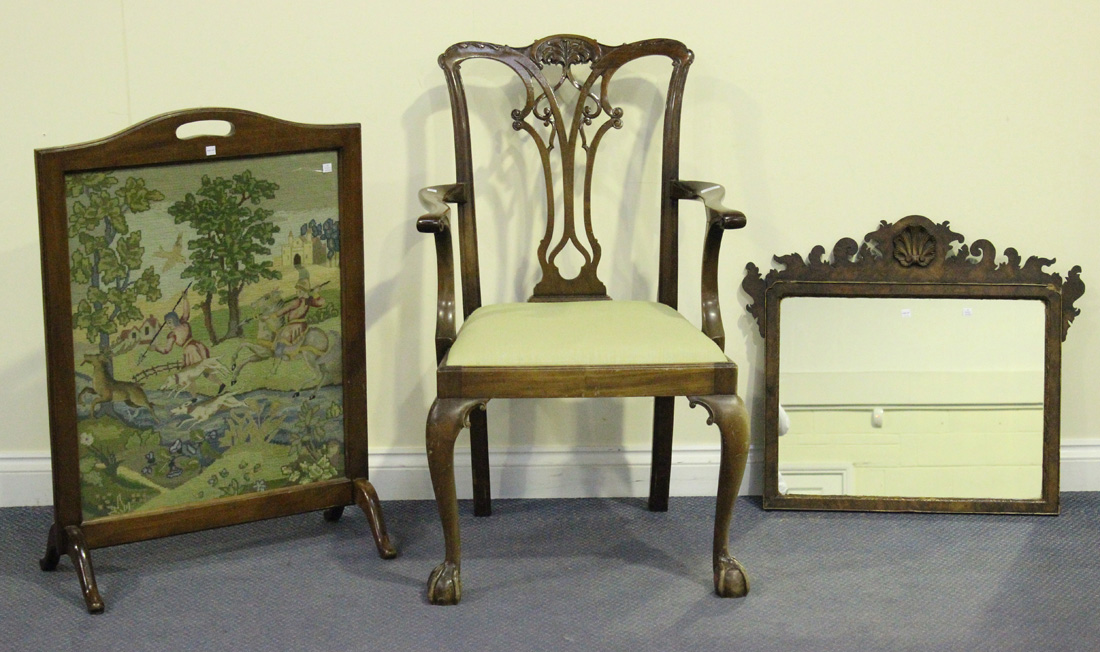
(912, 397)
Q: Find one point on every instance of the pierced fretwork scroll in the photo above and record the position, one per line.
(561, 114)
(913, 250)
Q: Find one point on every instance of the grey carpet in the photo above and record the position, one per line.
(575, 575)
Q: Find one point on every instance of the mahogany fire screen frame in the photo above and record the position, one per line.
(204, 330)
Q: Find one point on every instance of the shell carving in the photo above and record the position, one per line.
(914, 246)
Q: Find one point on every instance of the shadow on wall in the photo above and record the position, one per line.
(24, 383)
(511, 214)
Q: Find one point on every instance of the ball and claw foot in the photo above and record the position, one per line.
(445, 585)
(730, 578)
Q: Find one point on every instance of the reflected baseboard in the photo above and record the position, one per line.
(540, 473)
(816, 479)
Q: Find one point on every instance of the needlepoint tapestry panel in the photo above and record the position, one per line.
(206, 328)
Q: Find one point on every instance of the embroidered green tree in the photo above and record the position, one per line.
(232, 233)
(107, 256)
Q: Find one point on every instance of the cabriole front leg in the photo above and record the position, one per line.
(447, 417)
(729, 413)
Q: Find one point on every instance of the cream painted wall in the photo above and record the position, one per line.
(822, 118)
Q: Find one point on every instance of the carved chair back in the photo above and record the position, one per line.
(567, 117)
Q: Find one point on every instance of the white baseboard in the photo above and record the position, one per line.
(580, 473)
(517, 473)
(1080, 465)
(25, 479)
(540, 473)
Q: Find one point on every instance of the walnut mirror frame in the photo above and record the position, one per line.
(915, 258)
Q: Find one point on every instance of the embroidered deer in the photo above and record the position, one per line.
(109, 390)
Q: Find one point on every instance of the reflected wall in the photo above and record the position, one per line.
(912, 397)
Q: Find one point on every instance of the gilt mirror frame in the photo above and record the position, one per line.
(914, 258)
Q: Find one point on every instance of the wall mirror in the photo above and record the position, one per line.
(915, 373)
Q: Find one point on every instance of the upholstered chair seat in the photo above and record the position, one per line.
(580, 333)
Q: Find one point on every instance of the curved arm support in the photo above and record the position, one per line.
(437, 221)
(719, 219)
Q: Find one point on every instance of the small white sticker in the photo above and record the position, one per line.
(906, 313)
(967, 312)
(211, 150)
(326, 167)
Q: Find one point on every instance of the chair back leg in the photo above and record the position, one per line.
(479, 456)
(661, 468)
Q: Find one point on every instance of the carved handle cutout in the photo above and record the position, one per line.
(204, 128)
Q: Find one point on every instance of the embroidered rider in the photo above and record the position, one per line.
(295, 312)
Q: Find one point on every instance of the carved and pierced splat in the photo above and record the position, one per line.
(569, 113)
(913, 250)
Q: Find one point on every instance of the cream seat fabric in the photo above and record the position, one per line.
(580, 333)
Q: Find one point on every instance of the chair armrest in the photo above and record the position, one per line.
(434, 199)
(711, 195)
(437, 221)
(719, 218)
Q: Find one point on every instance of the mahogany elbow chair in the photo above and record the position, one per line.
(567, 341)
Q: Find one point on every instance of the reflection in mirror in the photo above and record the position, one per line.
(916, 372)
(921, 397)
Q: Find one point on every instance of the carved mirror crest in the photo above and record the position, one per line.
(915, 373)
